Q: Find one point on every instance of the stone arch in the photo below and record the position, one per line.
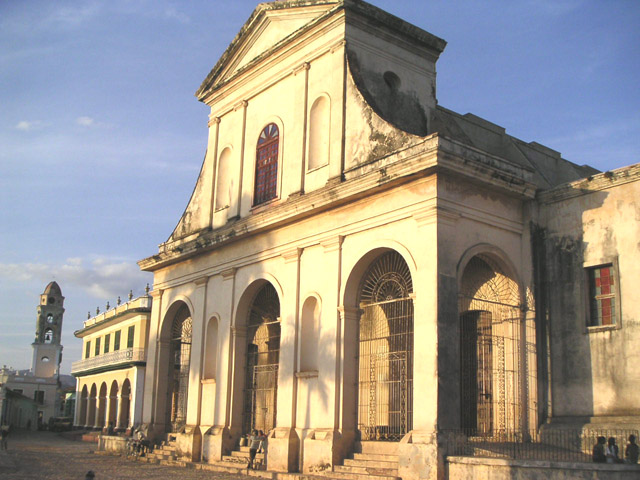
(102, 405)
(493, 343)
(112, 405)
(378, 323)
(173, 365)
(257, 343)
(124, 420)
(92, 406)
(319, 132)
(82, 411)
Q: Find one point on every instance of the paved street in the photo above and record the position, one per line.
(47, 456)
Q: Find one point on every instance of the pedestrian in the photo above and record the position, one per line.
(264, 444)
(631, 452)
(598, 455)
(611, 452)
(254, 444)
(90, 475)
(4, 434)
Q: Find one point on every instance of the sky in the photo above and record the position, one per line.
(102, 139)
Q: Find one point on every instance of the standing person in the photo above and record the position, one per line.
(4, 433)
(598, 451)
(631, 452)
(263, 448)
(254, 444)
(611, 452)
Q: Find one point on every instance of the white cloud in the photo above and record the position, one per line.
(27, 125)
(101, 277)
(85, 121)
(172, 14)
(74, 16)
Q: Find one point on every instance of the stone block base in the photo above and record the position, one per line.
(418, 457)
(216, 442)
(283, 447)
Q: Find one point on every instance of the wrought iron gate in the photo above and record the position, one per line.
(385, 401)
(262, 357)
(493, 333)
(180, 358)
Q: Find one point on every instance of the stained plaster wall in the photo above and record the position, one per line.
(476, 220)
(590, 223)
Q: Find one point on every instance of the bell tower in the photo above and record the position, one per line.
(47, 351)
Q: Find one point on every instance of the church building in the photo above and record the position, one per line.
(41, 383)
(360, 269)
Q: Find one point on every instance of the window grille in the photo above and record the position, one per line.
(266, 179)
(602, 295)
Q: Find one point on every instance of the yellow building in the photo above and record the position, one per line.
(110, 376)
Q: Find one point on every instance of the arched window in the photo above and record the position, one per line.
(319, 129)
(48, 335)
(266, 179)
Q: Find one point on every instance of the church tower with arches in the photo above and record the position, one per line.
(47, 347)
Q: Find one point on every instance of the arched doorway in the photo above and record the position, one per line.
(385, 353)
(113, 405)
(102, 405)
(262, 357)
(82, 411)
(125, 405)
(179, 361)
(490, 346)
(92, 406)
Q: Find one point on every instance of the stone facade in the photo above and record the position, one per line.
(42, 383)
(110, 376)
(358, 264)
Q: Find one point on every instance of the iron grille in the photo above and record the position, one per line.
(497, 346)
(262, 358)
(385, 400)
(181, 356)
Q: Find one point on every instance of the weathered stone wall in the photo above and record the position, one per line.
(467, 468)
(590, 223)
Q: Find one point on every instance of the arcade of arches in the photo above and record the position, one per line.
(354, 372)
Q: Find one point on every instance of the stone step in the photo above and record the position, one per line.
(359, 476)
(376, 457)
(355, 462)
(389, 448)
(367, 469)
(241, 454)
(229, 467)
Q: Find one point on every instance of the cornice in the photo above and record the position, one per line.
(434, 154)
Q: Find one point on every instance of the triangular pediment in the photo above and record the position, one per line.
(270, 24)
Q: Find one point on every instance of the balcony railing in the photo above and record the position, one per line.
(110, 359)
(135, 304)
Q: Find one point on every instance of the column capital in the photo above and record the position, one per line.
(291, 255)
(156, 293)
(241, 104)
(304, 66)
(213, 121)
(238, 332)
(228, 274)
(350, 313)
(201, 281)
(332, 244)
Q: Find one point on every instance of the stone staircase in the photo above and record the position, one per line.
(371, 461)
(164, 454)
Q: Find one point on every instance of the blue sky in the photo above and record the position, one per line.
(101, 137)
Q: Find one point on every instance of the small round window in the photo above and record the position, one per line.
(52, 300)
